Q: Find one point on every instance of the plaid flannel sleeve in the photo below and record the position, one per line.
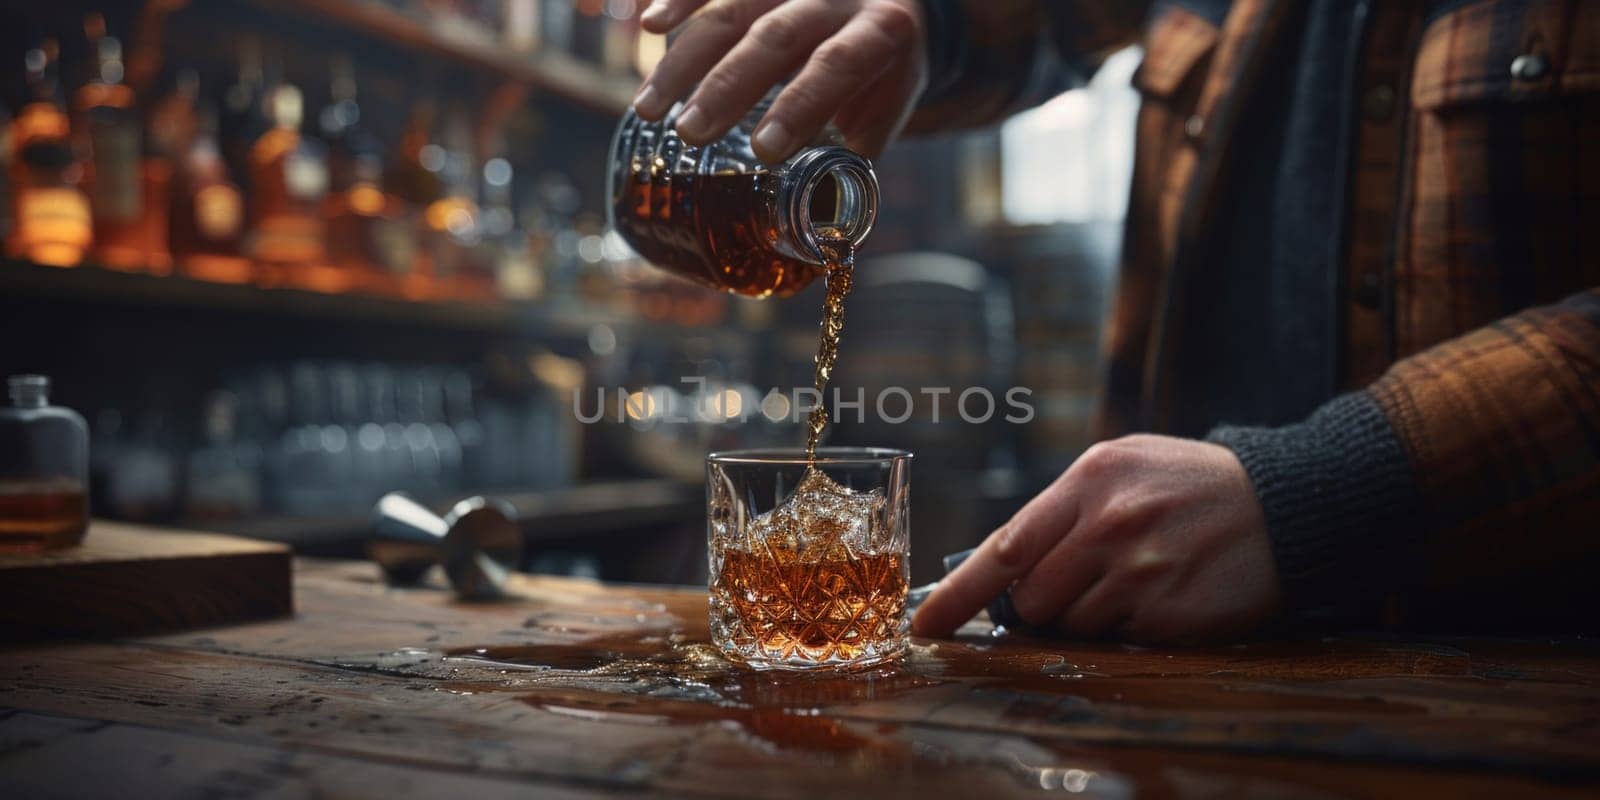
(1469, 472)
(988, 58)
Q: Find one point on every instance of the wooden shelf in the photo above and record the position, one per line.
(551, 71)
(93, 285)
(90, 284)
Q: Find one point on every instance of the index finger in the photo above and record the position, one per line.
(663, 15)
(1008, 554)
(701, 45)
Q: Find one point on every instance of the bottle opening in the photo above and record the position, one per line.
(838, 191)
(825, 203)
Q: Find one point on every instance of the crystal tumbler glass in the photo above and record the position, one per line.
(809, 558)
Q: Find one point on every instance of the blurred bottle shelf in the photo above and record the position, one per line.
(89, 284)
(553, 71)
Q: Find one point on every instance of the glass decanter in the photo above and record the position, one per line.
(44, 470)
(720, 217)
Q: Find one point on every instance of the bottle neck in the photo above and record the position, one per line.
(822, 188)
(43, 73)
(29, 391)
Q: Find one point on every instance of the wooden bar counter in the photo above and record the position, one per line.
(577, 689)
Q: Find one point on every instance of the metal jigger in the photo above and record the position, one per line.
(477, 542)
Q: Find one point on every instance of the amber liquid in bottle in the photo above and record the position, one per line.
(207, 218)
(360, 223)
(50, 212)
(172, 126)
(704, 228)
(370, 241)
(42, 515)
(451, 225)
(108, 130)
(288, 181)
(417, 187)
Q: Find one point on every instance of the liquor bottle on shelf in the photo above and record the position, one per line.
(50, 212)
(504, 246)
(413, 176)
(107, 129)
(370, 238)
(242, 119)
(554, 237)
(288, 184)
(206, 224)
(451, 224)
(174, 120)
(171, 126)
(339, 122)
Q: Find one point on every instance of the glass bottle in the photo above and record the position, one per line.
(206, 222)
(413, 176)
(288, 183)
(44, 470)
(502, 247)
(451, 225)
(243, 118)
(506, 240)
(50, 213)
(171, 127)
(718, 216)
(367, 229)
(109, 138)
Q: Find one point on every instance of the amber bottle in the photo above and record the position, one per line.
(208, 212)
(451, 224)
(413, 176)
(288, 183)
(44, 470)
(107, 128)
(718, 216)
(371, 241)
(170, 130)
(50, 212)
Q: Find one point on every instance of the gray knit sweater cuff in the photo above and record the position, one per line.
(1341, 506)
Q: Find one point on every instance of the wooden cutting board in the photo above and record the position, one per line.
(130, 579)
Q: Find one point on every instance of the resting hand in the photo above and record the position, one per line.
(1147, 538)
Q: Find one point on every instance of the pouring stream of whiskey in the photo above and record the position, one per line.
(839, 252)
(815, 580)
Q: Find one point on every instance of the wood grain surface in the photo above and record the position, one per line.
(129, 579)
(575, 689)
